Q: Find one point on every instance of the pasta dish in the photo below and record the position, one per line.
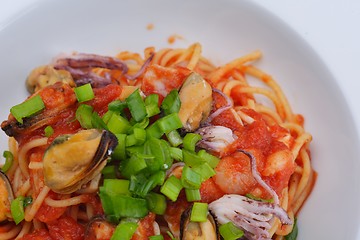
(160, 146)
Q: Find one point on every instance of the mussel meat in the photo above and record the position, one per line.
(99, 228)
(198, 230)
(73, 160)
(196, 101)
(6, 197)
(43, 76)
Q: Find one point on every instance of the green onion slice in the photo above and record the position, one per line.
(9, 159)
(84, 93)
(171, 188)
(124, 231)
(136, 106)
(28, 108)
(199, 212)
(171, 103)
(230, 232)
(17, 209)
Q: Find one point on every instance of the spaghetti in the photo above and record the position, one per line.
(267, 131)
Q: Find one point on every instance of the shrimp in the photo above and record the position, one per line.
(233, 174)
(162, 80)
(265, 177)
(146, 227)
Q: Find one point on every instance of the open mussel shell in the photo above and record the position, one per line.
(73, 160)
(6, 196)
(198, 230)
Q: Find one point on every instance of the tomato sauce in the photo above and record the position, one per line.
(38, 234)
(209, 191)
(66, 228)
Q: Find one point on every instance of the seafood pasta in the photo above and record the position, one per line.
(165, 146)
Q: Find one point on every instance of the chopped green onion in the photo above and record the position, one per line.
(84, 93)
(9, 159)
(152, 105)
(171, 188)
(192, 195)
(209, 158)
(143, 124)
(156, 237)
(130, 140)
(133, 165)
(190, 179)
(171, 103)
(28, 108)
(117, 106)
(48, 131)
(190, 141)
(27, 201)
(169, 123)
(97, 121)
(84, 115)
(124, 231)
(141, 185)
(204, 170)
(199, 212)
(106, 117)
(176, 153)
(139, 135)
(230, 232)
(126, 206)
(109, 172)
(120, 150)
(116, 186)
(154, 131)
(191, 159)
(118, 124)
(174, 138)
(136, 184)
(294, 232)
(17, 209)
(161, 152)
(116, 203)
(136, 106)
(156, 203)
(249, 195)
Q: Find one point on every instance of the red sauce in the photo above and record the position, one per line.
(175, 209)
(38, 234)
(66, 228)
(47, 213)
(103, 96)
(226, 118)
(209, 191)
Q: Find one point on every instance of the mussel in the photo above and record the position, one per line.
(196, 101)
(43, 76)
(73, 160)
(99, 228)
(6, 197)
(198, 230)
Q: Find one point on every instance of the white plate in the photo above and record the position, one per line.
(226, 29)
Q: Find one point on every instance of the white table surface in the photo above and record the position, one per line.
(331, 27)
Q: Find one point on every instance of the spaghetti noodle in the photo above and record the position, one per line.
(267, 131)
